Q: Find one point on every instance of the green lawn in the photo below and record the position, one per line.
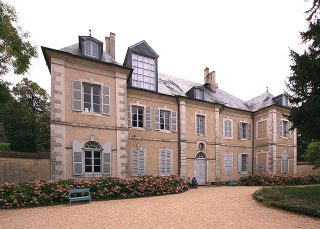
(301, 199)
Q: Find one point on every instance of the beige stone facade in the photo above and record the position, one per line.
(109, 119)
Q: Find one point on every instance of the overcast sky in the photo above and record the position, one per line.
(246, 42)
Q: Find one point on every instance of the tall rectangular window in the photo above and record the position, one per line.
(138, 162)
(200, 125)
(284, 129)
(228, 128)
(91, 97)
(144, 72)
(244, 130)
(137, 116)
(164, 120)
(244, 162)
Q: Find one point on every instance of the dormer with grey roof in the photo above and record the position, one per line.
(144, 62)
(90, 47)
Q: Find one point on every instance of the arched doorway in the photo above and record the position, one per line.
(201, 168)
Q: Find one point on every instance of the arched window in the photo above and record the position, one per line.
(92, 157)
(201, 155)
(284, 163)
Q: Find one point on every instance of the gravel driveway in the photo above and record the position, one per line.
(206, 207)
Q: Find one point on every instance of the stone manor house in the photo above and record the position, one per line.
(128, 120)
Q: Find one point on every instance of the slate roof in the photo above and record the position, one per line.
(144, 48)
(74, 49)
(173, 86)
(264, 100)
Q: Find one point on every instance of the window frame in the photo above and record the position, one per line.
(170, 152)
(144, 72)
(90, 49)
(285, 132)
(224, 128)
(284, 158)
(246, 129)
(91, 97)
(133, 173)
(138, 115)
(198, 127)
(164, 120)
(92, 157)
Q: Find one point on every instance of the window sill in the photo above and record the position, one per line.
(92, 114)
(227, 138)
(244, 139)
(244, 173)
(93, 174)
(285, 138)
(138, 128)
(164, 131)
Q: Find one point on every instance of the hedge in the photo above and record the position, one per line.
(267, 180)
(46, 192)
(271, 196)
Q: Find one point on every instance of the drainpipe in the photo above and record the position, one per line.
(252, 136)
(179, 137)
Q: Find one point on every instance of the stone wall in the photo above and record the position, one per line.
(17, 166)
(304, 169)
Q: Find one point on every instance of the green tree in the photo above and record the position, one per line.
(32, 96)
(43, 133)
(304, 82)
(15, 49)
(313, 153)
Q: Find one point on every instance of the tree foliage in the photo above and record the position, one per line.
(26, 118)
(304, 81)
(15, 49)
(313, 153)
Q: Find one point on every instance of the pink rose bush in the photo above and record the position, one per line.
(45, 192)
(267, 180)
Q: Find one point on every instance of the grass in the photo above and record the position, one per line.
(300, 199)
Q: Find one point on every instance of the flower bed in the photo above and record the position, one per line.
(47, 192)
(267, 180)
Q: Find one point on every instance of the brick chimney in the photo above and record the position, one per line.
(210, 79)
(110, 45)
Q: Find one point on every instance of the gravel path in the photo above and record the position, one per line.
(206, 207)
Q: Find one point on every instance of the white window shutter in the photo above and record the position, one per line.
(106, 159)
(77, 158)
(240, 130)
(239, 162)
(148, 118)
(174, 121)
(168, 163)
(129, 115)
(162, 163)
(134, 161)
(281, 129)
(156, 119)
(289, 129)
(249, 131)
(141, 164)
(76, 95)
(105, 91)
(249, 163)
(224, 128)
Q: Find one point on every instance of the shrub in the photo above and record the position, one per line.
(266, 180)
(4, 146)
(47, 192)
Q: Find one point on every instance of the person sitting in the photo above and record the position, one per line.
(194, 182)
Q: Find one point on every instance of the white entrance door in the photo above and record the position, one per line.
(201, 170)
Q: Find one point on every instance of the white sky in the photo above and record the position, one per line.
(246, 42)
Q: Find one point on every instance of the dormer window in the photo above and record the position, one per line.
(285, 101)
(144, 72)
(198, 93)
(91, 49)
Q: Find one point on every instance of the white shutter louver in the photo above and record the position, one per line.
(141, 166)
(134, 161)
(168, 163)
(162, 163)
(156, 119)
(105, 90)
(281, 129)
(174, 121)
(239, 162)
(77, 158)
(106, 159)
(76, 95)
(148, 118)
(129, 115)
